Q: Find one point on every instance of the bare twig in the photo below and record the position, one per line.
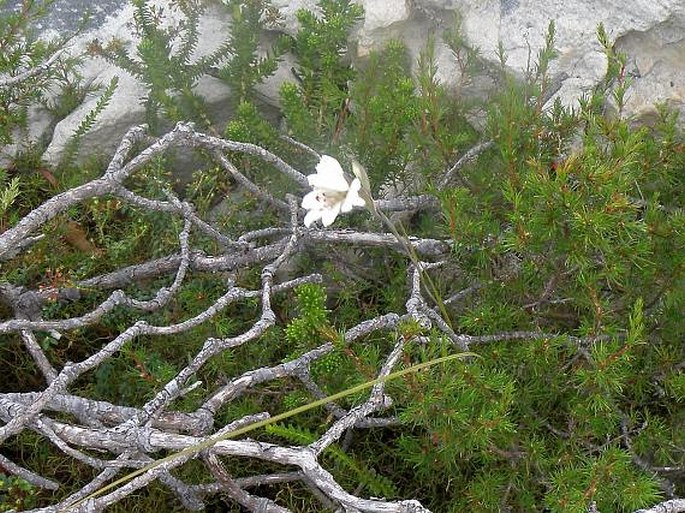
(469, 156)
(110, 437)
(32, 72)
(38, 355)
(672, 506)
(251, 502)
(27, 475)
(247, 183)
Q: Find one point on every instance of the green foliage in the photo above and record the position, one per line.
(249, 125)
(396, 124)
(16, 494)
(461, 423)
(388, 109)
(164, 62)
(315, 107)
(71, 148)
(22, 51)
(609, 479)
(245, 69)
(565, 212)
(572, 229)
(9, 192)
(313, 316)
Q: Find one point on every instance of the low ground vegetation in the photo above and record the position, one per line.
(140, 318)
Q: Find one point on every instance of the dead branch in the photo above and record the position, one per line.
(116, 438)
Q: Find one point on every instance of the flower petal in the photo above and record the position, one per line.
(346, 206)
(353, 199)
(329, 175)
(358, 201)
(328, 215)
(328, 164)
(310, 200)
(312, 215)
(329, 182)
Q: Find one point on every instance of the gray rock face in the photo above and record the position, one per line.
(630, 23)
(66, 16)
(126, 107)
(658, 54)
(652, 33)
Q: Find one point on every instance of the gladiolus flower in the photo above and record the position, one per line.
(331, 193)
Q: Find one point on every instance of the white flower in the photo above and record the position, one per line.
(331, 195)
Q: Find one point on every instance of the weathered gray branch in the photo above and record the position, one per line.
(112, 437)
(466, 158)
(257, 504)
(40, 69)
(27, 475)
(424, 247)
(101, 413)
(672, 506)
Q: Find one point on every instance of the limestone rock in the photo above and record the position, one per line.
(658, 55)
(126, 107)
(652, 33)
(580, 56)
(288, 10)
